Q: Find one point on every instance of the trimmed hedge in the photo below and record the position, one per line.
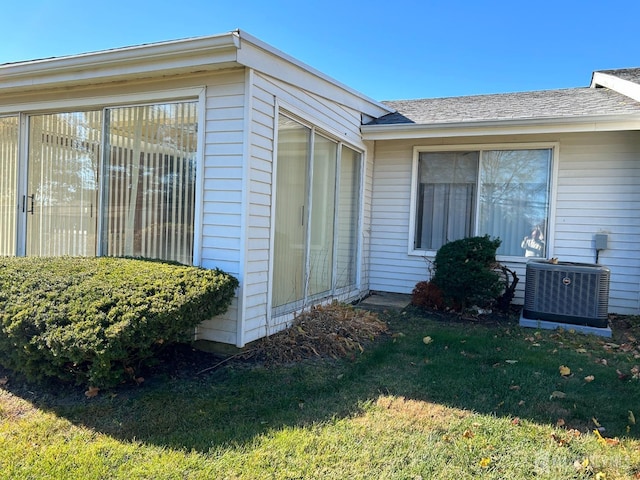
(94, 321)
(465, 272)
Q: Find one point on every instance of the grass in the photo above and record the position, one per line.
(434, 399)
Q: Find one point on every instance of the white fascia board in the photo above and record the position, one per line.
(142, 61)
(260, 56)
(617, 84)
(503, 127)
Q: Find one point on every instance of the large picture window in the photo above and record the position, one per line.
(118, 181)
(497, 192)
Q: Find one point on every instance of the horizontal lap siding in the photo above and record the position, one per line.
(334, 118)
(222, 193)
(598, 190)
(261, 148)
(391, 269)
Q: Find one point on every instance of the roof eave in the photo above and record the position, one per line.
(594, 123)
(141, 61)
(264, 58)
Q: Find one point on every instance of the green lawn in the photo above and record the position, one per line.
(433, 399)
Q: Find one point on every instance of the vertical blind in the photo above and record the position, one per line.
(129, 171)
(323, 191)
(61, 200)
(294, 144)
(8, 183)
(348, 206)
(316, 216)
(149, 195)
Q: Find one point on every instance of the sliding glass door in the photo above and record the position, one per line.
(62, 186)
(316, 216)
(120, 181)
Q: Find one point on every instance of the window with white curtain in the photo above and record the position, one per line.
(497, 192)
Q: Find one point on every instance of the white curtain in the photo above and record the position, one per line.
(446, 203)
(514, 198)
(149, 195)
(8, 179)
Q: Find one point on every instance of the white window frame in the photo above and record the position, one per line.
(553, 173)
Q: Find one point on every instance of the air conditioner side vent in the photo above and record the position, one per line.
(567, 292)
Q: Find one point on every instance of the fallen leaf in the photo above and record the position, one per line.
(515, 421)
(621, 375)
(581, 350)
(514, 387)
(564, 370)
(92, 392)
(589, 378)
(559, 440)
(468, 434)
(632, 418)
(427, 340)
(511, 362)
(139, 380)
(560, 422)
(4, 380)
(521, 402)
(595, 422)
(557, 394)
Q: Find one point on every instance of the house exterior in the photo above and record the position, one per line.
(563, 162)
(224, 152)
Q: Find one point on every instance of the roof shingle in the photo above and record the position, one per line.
(569, 103)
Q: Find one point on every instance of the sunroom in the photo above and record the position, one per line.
(219, 152)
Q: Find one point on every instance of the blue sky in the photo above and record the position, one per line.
(385, 49)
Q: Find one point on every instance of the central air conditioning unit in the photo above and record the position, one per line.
(567, 292)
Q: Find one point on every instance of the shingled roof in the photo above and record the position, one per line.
(566, 103)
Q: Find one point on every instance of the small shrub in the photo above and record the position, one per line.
(465, 272)
(94, 320)
(427, 295)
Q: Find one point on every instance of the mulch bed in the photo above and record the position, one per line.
(329, 331)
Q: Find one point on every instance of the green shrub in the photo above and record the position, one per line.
(94, 320)
(465, 272)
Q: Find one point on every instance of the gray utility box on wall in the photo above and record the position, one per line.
(567, 292)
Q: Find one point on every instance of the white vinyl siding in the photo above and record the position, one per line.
(597, 191)
(222, 207)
